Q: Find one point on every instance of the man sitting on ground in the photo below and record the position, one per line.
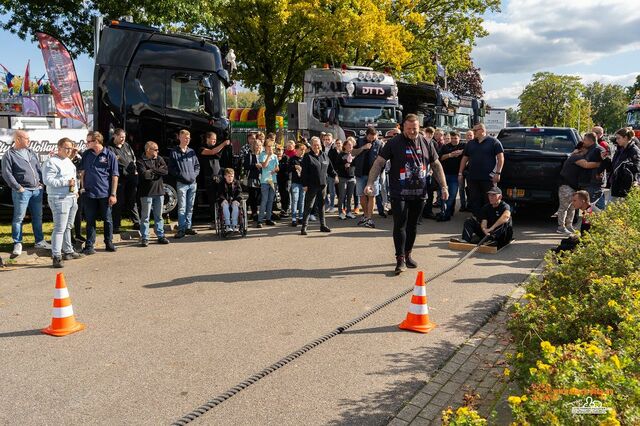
(580, 201)
(494, 221)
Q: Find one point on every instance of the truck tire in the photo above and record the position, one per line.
(170, 200)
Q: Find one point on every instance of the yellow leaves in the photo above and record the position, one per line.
(616, 361)
(514, 400)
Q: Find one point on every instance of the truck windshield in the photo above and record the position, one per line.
(555, 140)
(633, 118)
(190, 95)
(366, 115)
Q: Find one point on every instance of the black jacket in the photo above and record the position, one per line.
(249, 165)
(315, 169)
(126, 159)
(625, 167)
(340, 166)
(295, 161)
(283, 170)
(150, 173)
(230, 192)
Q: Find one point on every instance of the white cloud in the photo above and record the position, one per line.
(505, 97)
(623, 79)
(531, 35)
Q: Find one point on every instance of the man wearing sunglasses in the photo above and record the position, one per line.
(151, 169)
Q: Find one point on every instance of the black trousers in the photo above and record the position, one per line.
(478, 195)
(283, 190)
(211, 188)
(126, 205)
(405, 223)
(77, 224)
(502, 235)
(254, 200)
(311, 201)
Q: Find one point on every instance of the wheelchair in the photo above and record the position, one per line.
(243, 221)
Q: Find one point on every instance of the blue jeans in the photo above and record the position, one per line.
(186, 198)
(93, 207)
(330, 199)
(146, 205)
(230, 212)
(452, 183)
(297, 201)
(63, 208)
(268, 193)
(32, 199)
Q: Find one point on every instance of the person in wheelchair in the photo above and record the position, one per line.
(229, 199)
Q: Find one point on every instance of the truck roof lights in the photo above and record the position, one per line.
(367, 76)
(360, 75)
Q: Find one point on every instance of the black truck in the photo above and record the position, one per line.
(153, 84)
(533, 159)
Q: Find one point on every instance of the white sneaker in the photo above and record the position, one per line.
(342, 216)
(312, 218)
(228, 229)
(331, 209)
(43, 245)
(571, 229)
(17, 250)
(563, 230)
(350, 215)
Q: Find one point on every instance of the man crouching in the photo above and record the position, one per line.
(494, 221)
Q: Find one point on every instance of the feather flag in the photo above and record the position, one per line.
(41, 84)
(8, 79)
(26, 87)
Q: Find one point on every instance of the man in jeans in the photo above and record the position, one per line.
(59, 175)
(21, 171)
(185, 167)
(127, 181)
(151, 169)
(99, 181)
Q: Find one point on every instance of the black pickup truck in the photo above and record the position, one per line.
(533, 159)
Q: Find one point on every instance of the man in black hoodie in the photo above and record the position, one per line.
(151, 168)
(315, 168)
(127, 182)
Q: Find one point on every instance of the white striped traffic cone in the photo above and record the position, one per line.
(418, 315)
(63, 321)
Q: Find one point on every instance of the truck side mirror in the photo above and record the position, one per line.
(398, 116)
(326, 115)
(332, 116)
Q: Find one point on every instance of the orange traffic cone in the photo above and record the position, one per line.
(418, 315)
(63, 321)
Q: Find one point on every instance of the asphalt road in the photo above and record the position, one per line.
(170, 327)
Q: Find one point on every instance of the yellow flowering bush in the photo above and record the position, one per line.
(463, 416)
(578, 330)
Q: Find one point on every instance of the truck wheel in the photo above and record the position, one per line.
(170, 199)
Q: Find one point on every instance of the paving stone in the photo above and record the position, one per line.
(450, 388)
(490, 342)
(451, 367)
(420, 421)
(432, 388)
(460, 377)
(439, 400)
(459, 358)
(408, 412)
(421, 399)
(488, 381)
(442, 377)
(470, 366)
(397, 422)
(467, 349)
(483, 391)
(431, 412)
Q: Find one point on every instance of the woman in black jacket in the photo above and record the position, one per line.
(315, 168)
(625, 165)
(252, 168)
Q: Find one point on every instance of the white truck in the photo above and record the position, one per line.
(495, 119)
(345, 101)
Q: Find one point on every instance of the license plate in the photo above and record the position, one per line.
(515, 192)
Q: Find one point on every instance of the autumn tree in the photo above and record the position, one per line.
(276, 40)
(466, 83)
(554, 100)
(634, 88)
(608, 104)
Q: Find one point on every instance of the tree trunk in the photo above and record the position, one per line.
(271, 110)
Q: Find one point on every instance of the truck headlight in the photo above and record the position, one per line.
(367, 76)
(360, 75)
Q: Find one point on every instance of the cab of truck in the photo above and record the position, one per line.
(153, 84)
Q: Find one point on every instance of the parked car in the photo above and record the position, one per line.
(533, 159)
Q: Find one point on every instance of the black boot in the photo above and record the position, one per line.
(57, 262)
(303, 230)
(400, 265)
(409, 261)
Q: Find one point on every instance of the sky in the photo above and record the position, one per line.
(598, 40)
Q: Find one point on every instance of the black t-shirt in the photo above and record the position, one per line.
(209, 164)
(482, 157)
(410, 164)
(588, 176)
(570, 173)
(492, 214)
(451, 165)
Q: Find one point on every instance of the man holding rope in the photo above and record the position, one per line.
(411, 157)
(493, 222)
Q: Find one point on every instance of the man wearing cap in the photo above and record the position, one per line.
(494, 220)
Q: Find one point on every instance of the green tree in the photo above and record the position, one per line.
(634, 88)
(276, 40)
(551, 100)
(513, 116)
(608, 104)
